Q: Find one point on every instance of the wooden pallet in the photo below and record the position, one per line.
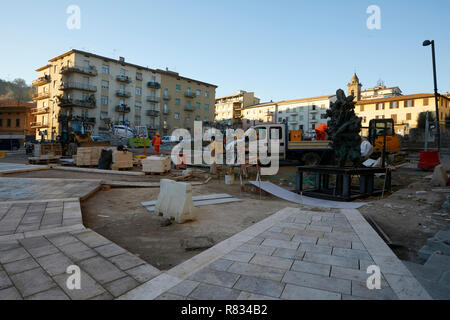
(43, 160)
(116, 168)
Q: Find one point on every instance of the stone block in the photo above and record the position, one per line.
(293, 292)
(309, 267)
(143, 273)
(55, 264)
(89, 287)
(317, 282)
(264, 272)
(221, 264)
(10, 293)
(32, 281)
(260, 286)
(210, 276)
(331, 260)
(184, 288)
(289, 253)
(4, 280)
(275, 262)
(20, 266)
(156, 164)
(110, 250)
(101, 269)
(121, 286)
(440, 177)
(13, 255)
(126, 261)
(51, 294)
(212, 292)
(175, 201)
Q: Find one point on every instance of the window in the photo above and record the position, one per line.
(380, 106)
(198, 92)
(206, 93)
(426, 101)
(178, 87)
(105, 69)
(394, 105)
(105, 84)
(138, 105)
(104, 100)
(8, 123)
(176, 115)
(198, 105)
(1, 122)
(139, 91)
(85, 96)
(188, 104)
(198, 118)
(409, 103)
(394, 117)
(152, 106)
(166, 109)
(17, 123)
(166, 93)
(139, 76)
(206, 106)
(122, 72)
(103, 115)
(361, 108)
(408, 116)
(177, 101)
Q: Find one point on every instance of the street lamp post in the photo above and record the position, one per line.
(436, 94)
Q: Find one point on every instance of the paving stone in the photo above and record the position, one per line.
(110, 250)
(364, 264)
(424, 272)
(305, 239)
(331, 260)
(260, 286)
(293, 292)
(256, 249)
(220, 278)
(281, 244)
(126, 261)
(143, 273)
(78, 251)
(445, 279)
(101, 269)
(52, 294)
(32, 281)
(13, 255)
(121, 286)
(322, 228)
(239, 256)
(352, 274)
(89, 287)
(277, 229)
(184, 288)
(9, 245)
(335, 243)
(20, 266)
(10, 293)
(309, 267)
(438, 261)
(92, 239)
(358, 245)
(276, 235)
(435, 290)
(360, 289)
(212, 292)
(256, 241)
(351, 253)
(251, 296)
(338, 235)
(61, 239)
(264, 272)
(310, 247)
(103, 296)
(170, 296)
(4, 280)
(55, 264)
(27, 227)
(317, 282)
(275, 262)
(289, 253)
(220, 264)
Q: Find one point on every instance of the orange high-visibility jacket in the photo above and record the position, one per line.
(156, 141)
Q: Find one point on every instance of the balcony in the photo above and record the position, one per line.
(125, 79)
(37, 111)
(42, 80)
(38, 125)
(153, 99)
(166, 112)
(82, 103)
(69, 85)
(123, 94)
(154, 85)
(152, 113)
(41, 95)
(90, 70)
(188, 94)
(166, 97)
(188, 108)
(123, 108)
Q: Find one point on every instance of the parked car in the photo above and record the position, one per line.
(169, 139)
(123, 131)
(97, 138)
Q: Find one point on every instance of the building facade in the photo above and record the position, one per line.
(101, 92)
(229, 108)
(184, 101)
(16, 119)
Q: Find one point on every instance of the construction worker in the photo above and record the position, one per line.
(156, 142)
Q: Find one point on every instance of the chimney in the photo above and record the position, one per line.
(121, 59)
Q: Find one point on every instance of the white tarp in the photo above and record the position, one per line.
(308, 201)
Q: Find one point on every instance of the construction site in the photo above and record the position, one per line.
(142, 221)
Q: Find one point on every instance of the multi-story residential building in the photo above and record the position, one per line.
(259, 113)
(102, 92)
(184, 100)
(403, 109)
(16, 119)
(229, 108)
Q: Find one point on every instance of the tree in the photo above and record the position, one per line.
(421, 119)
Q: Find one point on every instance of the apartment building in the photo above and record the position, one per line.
(102, 92)
(16, 119)
(403, 109)
(184, 101)
(259, 113)
(229, 108)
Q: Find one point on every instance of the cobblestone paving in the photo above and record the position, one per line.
(309, 255)
(35, 268)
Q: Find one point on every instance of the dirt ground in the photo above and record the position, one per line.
(408, 216)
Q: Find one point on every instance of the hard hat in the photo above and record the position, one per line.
(157, 133)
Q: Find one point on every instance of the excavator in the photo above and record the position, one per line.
(382, 131)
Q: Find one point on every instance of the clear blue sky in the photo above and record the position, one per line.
(279, 49)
